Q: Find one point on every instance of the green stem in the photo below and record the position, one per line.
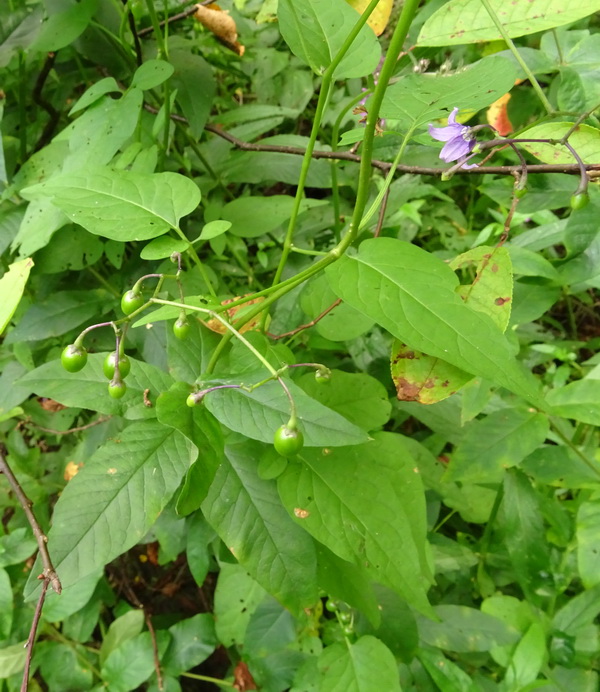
(104, 282)
(207, 678)
(534, 82)
(592, 465)
(321, 103)
(198, 262)
(160, 42)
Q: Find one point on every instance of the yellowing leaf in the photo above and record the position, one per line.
(221, 24)
(585, 140)
(216, 326)
(497, 116)
(379, 17)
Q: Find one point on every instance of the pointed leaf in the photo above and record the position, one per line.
(382, 527)
(585, 140)
(246, 513)
(12, 285)
(115, 498)
(579, 400)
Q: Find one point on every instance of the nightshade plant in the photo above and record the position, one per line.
(290, 399)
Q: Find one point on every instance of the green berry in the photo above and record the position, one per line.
(520, 192)
(131, 301)
(348, 630)
(116, 389)
(181, 328)
(323, 375)
(110, 362)
(73, 358)
(288, 441)
(191, 400)
(345, 617)
(331, 606)
(580, 200)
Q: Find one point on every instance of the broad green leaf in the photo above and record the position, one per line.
(122, 205)
(413, 295)
(497, 442)
(446, 674)
(125, 627)
(582, 229)
(63, 28)
(271, 628)
(360, 398)
(588, 555)
(192, 641)
(12, 285)
(63, 666)
(259, 413)
(88, 387)
(151, 74)
(132, 663)
(579, 400)
(115, 498)
(163, 247)
(382, 528)
(188, 358)
(418, 99)
(464, 629)
(12, 659)
(467, 21)
(246, 513)
(60, 313)
(236, 597)
(343, 323)
(366, 665)
(199, 426)
(524, 534)
(213, 229)
(578, 612)
(585, 140)
(315, 31)
(560, 466)
(528, 658)
(16, 547)
(251, 217)
(96, 91)
(72, 599)
(193, 79)
(68, 250)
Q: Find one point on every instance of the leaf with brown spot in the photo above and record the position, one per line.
(216, 326)
(243, 678)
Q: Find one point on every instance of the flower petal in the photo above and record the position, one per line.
(445, 134)
(455, 148)
(452, 117)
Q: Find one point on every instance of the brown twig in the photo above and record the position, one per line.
(32, 632)
(175, 18)
(139, 58)
(150, 626)
(308, 324)
(49, 573)
(384, 166)
(46, 105)
(381, 216)
(508, 220)
(79, 428)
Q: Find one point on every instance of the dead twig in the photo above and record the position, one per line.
(308, 324)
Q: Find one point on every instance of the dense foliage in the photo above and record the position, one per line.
(302, 400)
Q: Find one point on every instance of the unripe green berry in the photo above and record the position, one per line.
(131, 301)
(181, 328)
(288, 441)
(109, 365)
(580, 200)
(117, 389)
(191, 400)
(73, 358)
(323, 375)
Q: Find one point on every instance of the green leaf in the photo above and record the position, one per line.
(88, 387)
(121, 205)
(367, 665)
(132, 663)
(236, 597)
(251, 217)
(96, 91)
(271, 628)
(578, 612)
(467, 21)
(163, 247)
(12, 660)
(528, 658)
(188, 358)
(497, 442)
(122, 629)
(579, 400)
(413, 295)
(446, 674)
(585, 140)
(60, 313)
(63, 28)
(382, 528)
(464, 629)
(12, 285)
(63, 666)
(192, 641)
(195, 85)
(115, 498)
(358, 397)
(581, 230)
(246, 513)
(259, 413)
(151, 74)
(213, 229)
(524, 534)
(418, 99)
(315, 31)
(6, 605)
(343, 323)
(588, 550)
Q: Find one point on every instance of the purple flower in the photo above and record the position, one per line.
(459, 140)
